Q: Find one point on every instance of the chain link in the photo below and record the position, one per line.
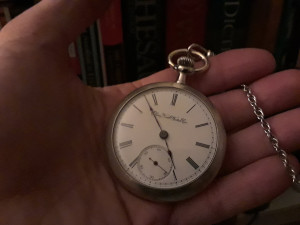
(273, 140)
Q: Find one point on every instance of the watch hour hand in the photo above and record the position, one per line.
(134, 162)
(152, 111)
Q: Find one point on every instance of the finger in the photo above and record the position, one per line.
(275, 93)
(227, 70)
(55, 22)
(232, 68)
(252, 186)
(248, 145)
(210, 81)
(145, 212)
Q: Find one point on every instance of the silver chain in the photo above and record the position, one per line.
(273, 140)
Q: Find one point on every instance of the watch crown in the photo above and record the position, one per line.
(186, 64)
(185, 61)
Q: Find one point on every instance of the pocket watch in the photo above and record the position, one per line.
(166, 141)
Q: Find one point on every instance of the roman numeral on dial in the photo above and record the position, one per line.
(154, 99)
(201, 125)
(202, 145)
(127, 125)
(192, 163)
(174, 99)
(125, 144)
(134, 162)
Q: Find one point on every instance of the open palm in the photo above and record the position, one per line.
(52, 156)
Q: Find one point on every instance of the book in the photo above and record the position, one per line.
(101, 56)
(144, 37)
(16, 7)
(9, 9)
(88, 45)
(112, 41)
(227, 24)
(4, 16)
(288, 44)
(298, 65)
(264, 23)
(185, 23)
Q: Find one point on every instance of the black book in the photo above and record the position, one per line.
(227, 24)
(144, 37)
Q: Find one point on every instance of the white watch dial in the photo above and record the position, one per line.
(165, 137)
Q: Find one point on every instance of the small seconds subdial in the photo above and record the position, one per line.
(155, 163)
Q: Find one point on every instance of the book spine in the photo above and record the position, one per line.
(10, 9)
(185, 23)
(298, 60)
(101, 56)
(96, 53)
(112, 40)
(79, 46)
(264, 22)
(227, 24)
(17, 7)
(89, 57)
(288, 44)
(144, 37)
(4, 16)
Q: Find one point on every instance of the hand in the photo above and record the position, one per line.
(52, 157)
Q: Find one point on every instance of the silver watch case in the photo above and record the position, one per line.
(172, 194)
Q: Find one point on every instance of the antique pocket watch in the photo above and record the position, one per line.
(166, 141)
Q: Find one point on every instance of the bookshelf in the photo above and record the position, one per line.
(133, 38)
(154, 29)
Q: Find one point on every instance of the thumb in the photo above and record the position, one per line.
(54, 22)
